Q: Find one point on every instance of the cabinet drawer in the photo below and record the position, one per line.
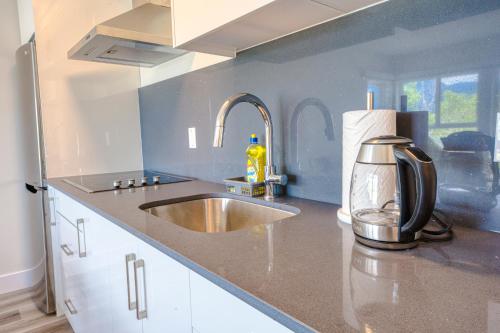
(69, 208)
(238, 315)
(71, 271)
(84, 275)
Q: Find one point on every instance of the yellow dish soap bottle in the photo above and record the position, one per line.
(256, 161)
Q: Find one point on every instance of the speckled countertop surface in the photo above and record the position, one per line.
(308, 273)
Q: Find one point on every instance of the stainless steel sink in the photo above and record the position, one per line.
(217, 214)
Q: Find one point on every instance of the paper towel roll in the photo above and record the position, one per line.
(359, 126)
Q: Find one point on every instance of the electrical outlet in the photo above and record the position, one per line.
(192, 137)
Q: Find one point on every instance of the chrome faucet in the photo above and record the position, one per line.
(272, 178)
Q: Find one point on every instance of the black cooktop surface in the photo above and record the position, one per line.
(122, 180)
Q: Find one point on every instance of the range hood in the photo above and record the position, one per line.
(139, 37)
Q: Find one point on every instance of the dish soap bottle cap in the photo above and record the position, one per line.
(254, 139)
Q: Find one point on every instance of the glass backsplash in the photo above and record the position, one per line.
(437, 62)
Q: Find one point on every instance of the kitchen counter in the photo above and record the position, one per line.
(307, 272)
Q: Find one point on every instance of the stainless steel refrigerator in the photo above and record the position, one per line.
(34, 168)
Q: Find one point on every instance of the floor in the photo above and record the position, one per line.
(19, 314)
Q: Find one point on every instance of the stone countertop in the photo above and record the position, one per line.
(307, 272)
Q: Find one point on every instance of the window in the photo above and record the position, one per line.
(459, 99)
(421, 96)
(450, 100)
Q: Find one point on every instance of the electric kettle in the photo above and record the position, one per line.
(393, 192)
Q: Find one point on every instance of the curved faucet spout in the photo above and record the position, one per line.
(228, 105)
(220, 122)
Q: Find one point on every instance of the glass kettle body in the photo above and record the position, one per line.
(393, 192)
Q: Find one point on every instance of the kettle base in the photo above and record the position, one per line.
(386, 245)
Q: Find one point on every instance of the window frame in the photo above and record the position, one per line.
(438, 98)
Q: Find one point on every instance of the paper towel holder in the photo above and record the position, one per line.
(369, 100)
(343, 215)
(369, 115)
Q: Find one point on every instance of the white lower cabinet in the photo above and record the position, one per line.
(149, 291)
(214, 310)
(71, 271)
(96, 285)
(56, 253)
(114, 282)
(122, 252)
(84, 269)
(111, 281)
(167, 290)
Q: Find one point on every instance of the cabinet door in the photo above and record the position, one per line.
(208, 15)
(56, 252)
(112, 281)
(121, 253)
(95, 275)
(166, 290)
(71, 273)
(225, 27)
(84, 268)
(214, 310)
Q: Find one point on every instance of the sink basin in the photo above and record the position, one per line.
(217, 214)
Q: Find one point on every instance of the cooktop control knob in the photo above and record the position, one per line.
(156, 179)
(131, 182)
(117, 183)
(144, 181)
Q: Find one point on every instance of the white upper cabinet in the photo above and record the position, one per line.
(225, 27)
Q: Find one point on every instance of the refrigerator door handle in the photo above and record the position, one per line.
(35, 188)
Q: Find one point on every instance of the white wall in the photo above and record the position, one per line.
(26, 19)
(90, 110)
(90, 113)
(20, 239)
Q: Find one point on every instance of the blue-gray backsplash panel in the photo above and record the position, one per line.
(438, 58)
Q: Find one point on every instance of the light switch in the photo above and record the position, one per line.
(192, 137)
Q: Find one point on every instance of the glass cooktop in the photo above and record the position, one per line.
(122, 180)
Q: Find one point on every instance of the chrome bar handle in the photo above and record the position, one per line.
(141, 314)
(131, 305)
(81, 253)
(70, 306)
(67, 251)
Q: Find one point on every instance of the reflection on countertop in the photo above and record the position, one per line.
(308, 273)
(389, 292)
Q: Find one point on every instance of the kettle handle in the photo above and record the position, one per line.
(425, 187)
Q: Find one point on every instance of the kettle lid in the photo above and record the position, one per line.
(387, 140)
(379, 150)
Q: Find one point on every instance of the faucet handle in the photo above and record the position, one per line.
(277, 179)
